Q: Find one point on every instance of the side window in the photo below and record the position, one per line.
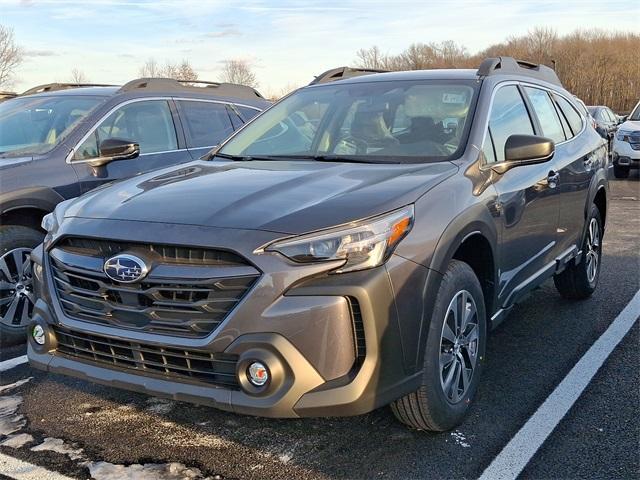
(206, 123)
(247, 113)
(487, 149)
(508, 117)
(148, 123)
(236, 119)
(612, 116)
(546, 113)
(570, 113)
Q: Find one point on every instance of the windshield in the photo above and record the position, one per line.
(635, 115)
(35, 125)
(399, 121)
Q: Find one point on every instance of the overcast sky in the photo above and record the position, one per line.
(287, 42)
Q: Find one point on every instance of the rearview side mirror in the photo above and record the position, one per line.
(116, 149)
(525, 150)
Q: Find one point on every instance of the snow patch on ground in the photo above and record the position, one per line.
(11, 386)
(16, 441)
(160, 406)
(148, 471)
(10, 422)
(460, 439)
(59, 445)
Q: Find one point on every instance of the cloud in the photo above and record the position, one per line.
(39, 53)
(225, 32)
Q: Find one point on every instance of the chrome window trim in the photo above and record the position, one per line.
(486, 165)
(69, 158)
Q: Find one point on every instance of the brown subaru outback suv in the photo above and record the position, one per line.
(349, 248)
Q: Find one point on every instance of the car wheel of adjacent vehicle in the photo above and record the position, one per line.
(620, 171)
(453, 357)
(580, 281)
(16, 283)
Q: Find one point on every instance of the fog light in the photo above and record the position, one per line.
(258, 374)
(38, 335)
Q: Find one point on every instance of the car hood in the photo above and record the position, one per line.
(287, 197)
(630, 126)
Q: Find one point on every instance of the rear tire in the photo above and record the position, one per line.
(16, 292)
(448, 384)
(579, 281)
(620, 171)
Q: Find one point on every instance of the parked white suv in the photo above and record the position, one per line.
(626, 145)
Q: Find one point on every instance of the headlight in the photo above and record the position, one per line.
(622, 135)
(361, 245)
(50, 223)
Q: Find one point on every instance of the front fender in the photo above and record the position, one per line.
(42, 198)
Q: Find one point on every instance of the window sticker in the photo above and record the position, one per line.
(454, 98)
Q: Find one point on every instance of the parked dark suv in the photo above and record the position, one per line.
(347, 249)
(57, 141)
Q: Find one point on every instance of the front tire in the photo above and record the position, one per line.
(16, 282)
(454, 355)
(579, 281)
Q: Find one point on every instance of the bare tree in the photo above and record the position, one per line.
(371, 58)
(78, 76)
(10, 55)
(150, 69)
(239, 71)
(178, 71)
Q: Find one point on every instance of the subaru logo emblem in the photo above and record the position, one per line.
(125, 268)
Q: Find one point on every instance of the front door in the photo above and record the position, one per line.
(528, 204)
(150, 123)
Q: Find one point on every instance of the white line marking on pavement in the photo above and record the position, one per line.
(12, 362)
(521, 448)
(20, 470)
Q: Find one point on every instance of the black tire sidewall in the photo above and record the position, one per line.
(458, 277)
(12, 237)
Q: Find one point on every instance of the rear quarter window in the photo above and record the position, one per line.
(570, 114)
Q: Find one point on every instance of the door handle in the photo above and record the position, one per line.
(552, 179)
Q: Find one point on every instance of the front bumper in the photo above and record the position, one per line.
(296, 319)
(624, 154)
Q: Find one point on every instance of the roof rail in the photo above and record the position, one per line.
(7, 95)
(52, 87)
(170, 84)
(509, 65)
(342, 73)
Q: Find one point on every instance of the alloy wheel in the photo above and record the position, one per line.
(16, 287)
(459, 345)
(593, 250)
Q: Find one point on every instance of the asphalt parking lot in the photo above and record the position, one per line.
(83, 430)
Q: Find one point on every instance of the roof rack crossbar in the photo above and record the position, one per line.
(170, 84)
(52, 87)
(509, 65)
(342, 73)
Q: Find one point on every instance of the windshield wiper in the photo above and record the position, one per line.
(246, 158)
(340, 158)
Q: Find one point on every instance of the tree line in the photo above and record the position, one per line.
(601, 68)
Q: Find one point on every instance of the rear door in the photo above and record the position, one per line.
(205, 123)
(569, 161)
(528, 202)
(148, 122)
(578, 159)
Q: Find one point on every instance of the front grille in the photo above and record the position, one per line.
(164, 253)
(184, 300)
(192, 366)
